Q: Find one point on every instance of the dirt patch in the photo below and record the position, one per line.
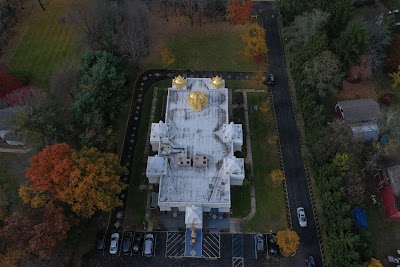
(363, 89)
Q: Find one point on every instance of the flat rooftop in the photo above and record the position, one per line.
(198, 135)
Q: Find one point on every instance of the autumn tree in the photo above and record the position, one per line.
(239, 11)
(277, 175)
(254, 40)
(288, 241)
(94, 182)
(86, 180)
(375, 263)
(50, 170)
(396, 77)
(167, 56)
(49, 232)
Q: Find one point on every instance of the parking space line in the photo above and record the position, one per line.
(154, 245)
(255, 246)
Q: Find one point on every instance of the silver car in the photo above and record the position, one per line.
(114, 243)
(301, 215)
(148, 245)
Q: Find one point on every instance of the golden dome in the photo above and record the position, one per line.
(179, 82)
(197, 100)
(217, 82)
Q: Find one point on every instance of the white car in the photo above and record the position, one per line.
(114, 243)
(301, 215)
(148, 245)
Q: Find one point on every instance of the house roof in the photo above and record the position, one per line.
(394, 178)
(360, 110)
(6, 115)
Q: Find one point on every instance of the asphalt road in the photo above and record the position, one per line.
(296, 180)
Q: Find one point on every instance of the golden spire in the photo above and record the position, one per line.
(193, 234)
(179, 82)
(217, 82)
(197, 100)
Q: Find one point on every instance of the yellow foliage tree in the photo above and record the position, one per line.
(375, 263)
(396, 77)
(254, 40)
(167, 56)
(36, 199)
(265, 106)
(94, 182)
(12, 258)
(277, 175)
(341, 161)
(288, 241)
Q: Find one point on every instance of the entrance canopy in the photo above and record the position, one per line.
(194, 215)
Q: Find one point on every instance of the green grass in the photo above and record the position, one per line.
(208, 47)
(137, 200)
(385, 234)
(270, 198)
(48, 41)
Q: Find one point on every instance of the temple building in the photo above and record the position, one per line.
(195, 164)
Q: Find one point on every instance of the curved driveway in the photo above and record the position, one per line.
(296, 179)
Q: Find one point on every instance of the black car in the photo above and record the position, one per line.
(137, 242)
(272, 246)
(101, 240)
(271, 79)
(126, 245)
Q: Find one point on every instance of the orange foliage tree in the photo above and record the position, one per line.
(288, 241)
(239, 11)
(94, 182)
(37, 232)
(87, 180)
(50, 170)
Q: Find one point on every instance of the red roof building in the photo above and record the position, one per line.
(389, 186)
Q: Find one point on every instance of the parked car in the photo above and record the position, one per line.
(310, 262)
(272, 245)
(126, 245)
(260, 242)
(137, 242)
(114, 243)
(101, 240)
(271, 79)
(148, 245)
(301, 215)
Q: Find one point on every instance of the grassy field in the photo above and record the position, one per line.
(210, 47)
(137, 199)
(270, 197)
(48, 41)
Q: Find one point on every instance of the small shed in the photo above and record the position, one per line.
(389, 186)
(362, 116)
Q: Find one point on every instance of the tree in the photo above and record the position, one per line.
(100, 92)
(288, 241)
(277, 175)
(239, 11)
(167, 56)
(396, 77)
(341, 13)
(341, 161)
(393, 58)
(254, 40)
(304, 27)
(50, 170)
(51, 230)
(323, 73)
(375, 263)
(86, 180)
(94, 182)
(39, 119)
(351, 43)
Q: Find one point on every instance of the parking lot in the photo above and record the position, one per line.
(218, 250)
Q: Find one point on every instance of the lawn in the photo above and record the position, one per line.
(270, 198)
(137, 199)
(48, 41)
(209, 47)
(385, 234)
